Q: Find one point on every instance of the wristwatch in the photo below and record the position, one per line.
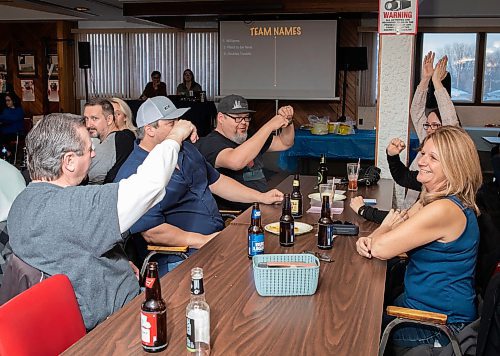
(361, 210)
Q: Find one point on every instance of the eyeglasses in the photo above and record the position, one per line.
(239, 119)
(433, 126)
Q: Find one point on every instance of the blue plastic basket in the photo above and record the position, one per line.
(286, 281)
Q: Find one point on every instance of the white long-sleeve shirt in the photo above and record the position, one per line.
(139, 192)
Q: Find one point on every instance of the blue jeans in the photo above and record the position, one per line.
(164, 266)
(411, 335)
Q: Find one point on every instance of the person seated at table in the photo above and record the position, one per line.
(229, 149)
(444, 239)
(401, 175)
(58, 227)
(155, 87)
(112, 146)
(11, 121)
(11, 184)
(188, 216)
(188, 84)
(124, 119)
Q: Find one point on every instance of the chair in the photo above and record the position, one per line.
(481, 337)
(43, 320)
(180, 251)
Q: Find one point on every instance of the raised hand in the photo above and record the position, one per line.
(440, 71)
(428, 66)
(286, 112)
(395, 147)
(182, 130)
(278, 122)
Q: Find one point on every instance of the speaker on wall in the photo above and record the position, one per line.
(84, 55)
(353, 58)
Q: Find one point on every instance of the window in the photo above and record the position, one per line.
(122, 62)
(491, 79)
(461, 51)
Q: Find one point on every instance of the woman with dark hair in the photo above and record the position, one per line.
(11, 119)
(188, 83)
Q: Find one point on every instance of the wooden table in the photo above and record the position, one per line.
(342, 318)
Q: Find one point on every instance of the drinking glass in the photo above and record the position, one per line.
(352, 176)
(326, 189)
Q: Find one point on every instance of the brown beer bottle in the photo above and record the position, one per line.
(322, 170)
(287, 233)
(325, 226)
(296, 198)
(153, 313)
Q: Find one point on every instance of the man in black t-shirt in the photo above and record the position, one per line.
(229, 149)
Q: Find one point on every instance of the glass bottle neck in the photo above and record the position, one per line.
(152, 284)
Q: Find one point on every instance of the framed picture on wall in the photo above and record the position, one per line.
(26, 66)
(3, 63)
(53, 66)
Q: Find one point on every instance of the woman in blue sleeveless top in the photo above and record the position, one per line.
(439, 233)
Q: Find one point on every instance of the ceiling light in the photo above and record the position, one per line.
(81, 8)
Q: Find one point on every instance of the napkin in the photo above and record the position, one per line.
(317, 210)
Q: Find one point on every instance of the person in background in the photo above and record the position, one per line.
(114, 145)
(445, 237)
(188, 84)
(401, 175)
(11, 184)
(425, 120)
(11, 121)
(155, 87)
(188, 216)
(124, 119)
(57, 227)
(229, 149)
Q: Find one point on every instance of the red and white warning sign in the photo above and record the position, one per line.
(398, 17)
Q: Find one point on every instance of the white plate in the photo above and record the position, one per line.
(337, 197)
(300, 228)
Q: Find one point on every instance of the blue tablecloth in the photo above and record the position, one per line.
(360, 145)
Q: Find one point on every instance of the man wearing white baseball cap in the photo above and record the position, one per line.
(188, 215)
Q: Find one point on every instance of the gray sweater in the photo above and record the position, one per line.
(74, 231)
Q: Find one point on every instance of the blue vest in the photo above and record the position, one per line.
(440, 276)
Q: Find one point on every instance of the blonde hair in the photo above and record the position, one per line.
(460, 163)
(127, 112)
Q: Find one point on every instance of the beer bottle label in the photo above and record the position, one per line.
(149, 328)
(190, 335)
(255, 244)
(197, 328)
(320, 177)
(295, 206)
(255, 214)
(149, 282)
(296, 183)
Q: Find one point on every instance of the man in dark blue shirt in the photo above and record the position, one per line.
(188, 216)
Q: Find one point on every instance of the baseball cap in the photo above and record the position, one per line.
(233, 104)
(156, 108)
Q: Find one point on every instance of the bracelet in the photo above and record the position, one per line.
(361, 210)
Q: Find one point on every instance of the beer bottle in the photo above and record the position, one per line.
(287, 233)
(325, 226)
(153, 313)
(296, 198)
(322, 170)
(255, 233)
(197, 317)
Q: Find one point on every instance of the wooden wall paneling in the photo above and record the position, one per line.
(66, 54)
